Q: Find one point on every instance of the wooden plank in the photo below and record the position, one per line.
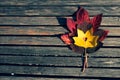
(31, 40)
(46, 30)
(60, 71)
(111, 42)
(51, 77)
(47, 41)
(60, 2)
(38, 78)
(56, 10)
(39, 60)
(45, 61)
(35, 30)
(54, 51)
(49, 21)
(58, 61)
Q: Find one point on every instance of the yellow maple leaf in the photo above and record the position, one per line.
(85, 40)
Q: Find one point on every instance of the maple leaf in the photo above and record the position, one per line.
(85, 40)
(84, 32)
(84, 36)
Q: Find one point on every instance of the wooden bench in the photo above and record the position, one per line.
(30, 47)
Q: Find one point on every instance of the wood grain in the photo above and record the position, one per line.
(30, 47)
(56, 10)
(59, 71)
(47, 30)
(49, 21)
(48, 41)
(54, 51)
(60, 2)
(58, 61)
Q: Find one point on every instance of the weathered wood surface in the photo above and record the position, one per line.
(59, 2)
(49, 21)
(59, 61)
(47, 30)
(48, 41)
(22, 10)
(30, 47)
(52, 51)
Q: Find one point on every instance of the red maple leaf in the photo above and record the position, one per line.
(84, 23)
(84, 30)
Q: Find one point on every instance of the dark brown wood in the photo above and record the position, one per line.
(58, 61)
(49, 21)
(47, 41)
(55, 51)
(30, 45)
(60, 2)
(47, 30)
(59, 71)
(33, 10)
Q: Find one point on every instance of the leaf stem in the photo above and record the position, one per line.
(85, 60)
